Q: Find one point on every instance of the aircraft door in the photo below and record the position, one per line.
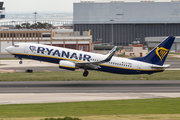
(26, 48)
(139, 67)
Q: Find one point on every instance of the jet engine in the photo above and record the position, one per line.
(67, 65)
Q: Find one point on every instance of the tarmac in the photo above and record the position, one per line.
(22, 98)
(14, 66)
(26, 63)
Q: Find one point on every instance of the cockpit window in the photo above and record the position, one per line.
(16, 45)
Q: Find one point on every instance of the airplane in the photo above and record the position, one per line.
(74, 59)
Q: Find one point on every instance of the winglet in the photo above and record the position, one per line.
(110, 54)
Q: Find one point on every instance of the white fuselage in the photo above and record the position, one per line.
(55, 54)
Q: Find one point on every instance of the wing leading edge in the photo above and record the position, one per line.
(95, 65)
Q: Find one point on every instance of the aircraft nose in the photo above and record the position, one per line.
(8, 49)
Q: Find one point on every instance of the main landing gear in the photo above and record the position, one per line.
(20, 62)
(85, 74)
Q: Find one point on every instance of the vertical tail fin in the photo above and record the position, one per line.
(159, 53)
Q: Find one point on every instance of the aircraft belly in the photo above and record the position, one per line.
(127, 71)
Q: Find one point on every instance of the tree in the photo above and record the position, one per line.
(33, 26)
(36, 25)
(18, 27)
(26, 25)
(44, 25)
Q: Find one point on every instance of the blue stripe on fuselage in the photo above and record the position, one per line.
(105, 68)
(125, 71)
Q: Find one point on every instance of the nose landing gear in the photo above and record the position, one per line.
(20, 62)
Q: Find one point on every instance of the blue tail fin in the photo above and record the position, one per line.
(158, 54)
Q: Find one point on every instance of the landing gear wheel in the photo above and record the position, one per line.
(20, 62)
(85, 74)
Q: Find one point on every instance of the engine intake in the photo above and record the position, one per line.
(67, 65)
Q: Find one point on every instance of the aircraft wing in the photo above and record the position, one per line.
(95, 65)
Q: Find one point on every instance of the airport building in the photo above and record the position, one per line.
(59, 38)
(154, 41)
(122, 23)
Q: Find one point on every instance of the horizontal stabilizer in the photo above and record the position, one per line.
(160, 67)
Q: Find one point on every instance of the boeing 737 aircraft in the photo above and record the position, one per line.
(74, 59)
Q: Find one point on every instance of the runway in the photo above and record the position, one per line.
(74, 91)
(163, 86)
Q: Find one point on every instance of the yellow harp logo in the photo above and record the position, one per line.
(161, 52)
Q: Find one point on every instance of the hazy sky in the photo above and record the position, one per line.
(24, 6)
(21, 6)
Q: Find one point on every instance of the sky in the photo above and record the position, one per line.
(47, 6)
(29, 6)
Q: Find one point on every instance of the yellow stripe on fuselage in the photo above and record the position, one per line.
(48, 57)
(84, 61)
(66, 66)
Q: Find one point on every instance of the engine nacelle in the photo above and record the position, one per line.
(67, 65)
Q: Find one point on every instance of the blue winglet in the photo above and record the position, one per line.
(110, 54)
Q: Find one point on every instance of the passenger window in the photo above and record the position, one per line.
(16, 45)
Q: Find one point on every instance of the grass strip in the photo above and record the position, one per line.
(115, 117)
(2, 64)
(9, 59)
(94, 75)
(95, 108)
